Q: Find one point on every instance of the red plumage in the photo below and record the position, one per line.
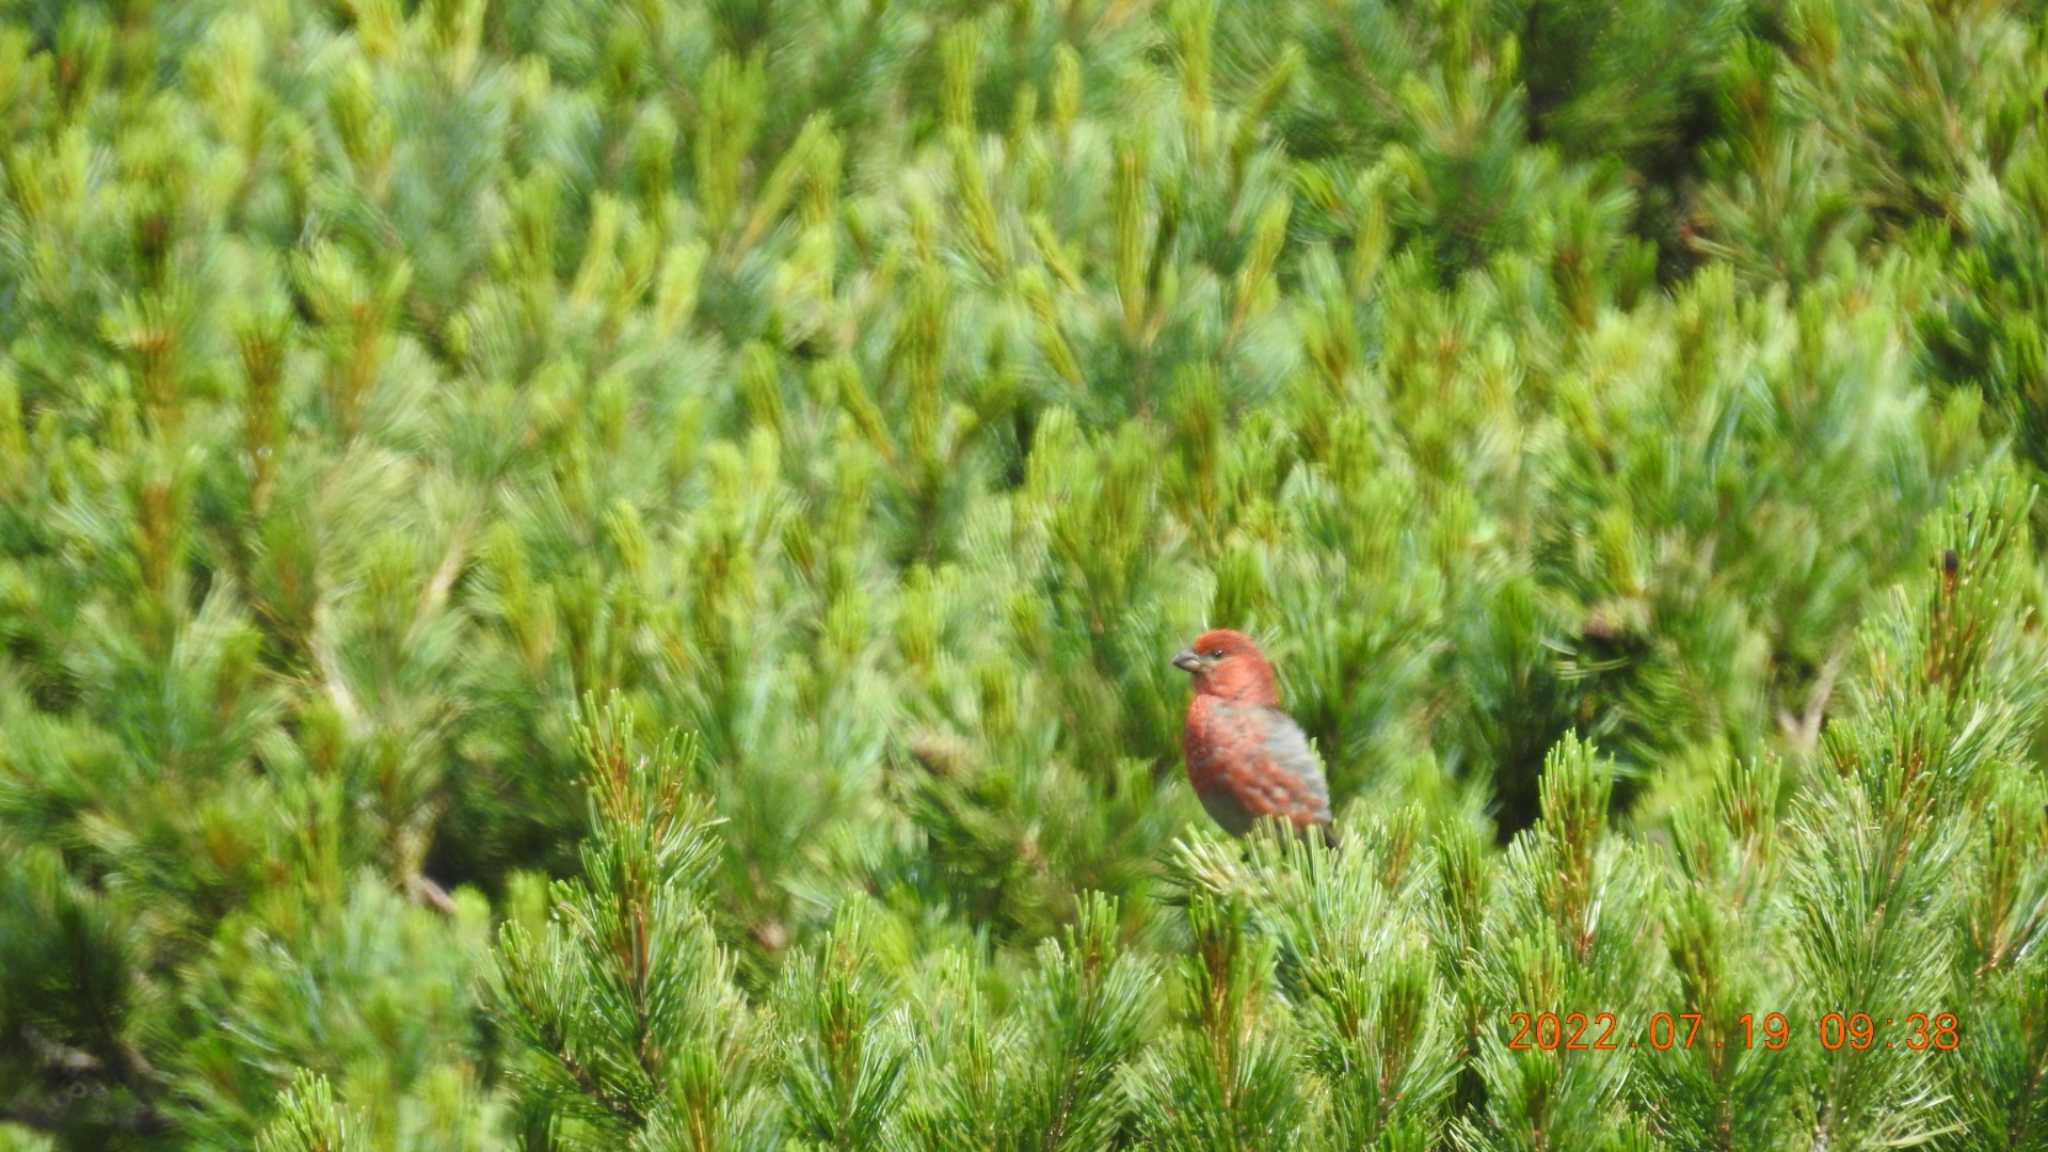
(1246, 758)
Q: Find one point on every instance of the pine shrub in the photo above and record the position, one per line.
(601, 573)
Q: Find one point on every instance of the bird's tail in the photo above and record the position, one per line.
(1329, 831)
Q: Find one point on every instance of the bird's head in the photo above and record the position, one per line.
(1228, 664)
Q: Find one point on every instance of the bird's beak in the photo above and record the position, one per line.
(1187, 661)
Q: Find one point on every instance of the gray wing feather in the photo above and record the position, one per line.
(1289, 747)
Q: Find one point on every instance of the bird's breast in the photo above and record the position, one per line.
(1219, 734)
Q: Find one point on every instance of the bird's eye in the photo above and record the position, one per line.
(1215, 653)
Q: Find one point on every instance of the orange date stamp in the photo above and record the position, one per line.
(1685, 1031)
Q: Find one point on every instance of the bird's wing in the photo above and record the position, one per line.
(1308, 793)
(1261, 759)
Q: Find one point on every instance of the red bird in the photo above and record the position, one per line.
(1246, 758)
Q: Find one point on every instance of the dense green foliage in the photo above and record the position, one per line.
(600, 573)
